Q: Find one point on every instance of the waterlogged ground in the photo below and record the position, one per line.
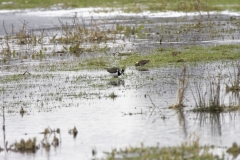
(138, 114)
(48, 33)
(112, 113)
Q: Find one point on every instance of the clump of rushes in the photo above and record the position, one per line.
(73, 131)
(26, 146)
(182, 86)
(22, 111)
(78, 33)
(47, 135)
(234, 81)
(55, 141)
(112, 95)
(210, 99)
(234, 150)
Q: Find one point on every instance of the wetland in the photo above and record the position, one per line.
(59, 102)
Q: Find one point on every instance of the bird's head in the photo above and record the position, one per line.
(122, 71)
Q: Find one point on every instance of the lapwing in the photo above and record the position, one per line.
(115, 71)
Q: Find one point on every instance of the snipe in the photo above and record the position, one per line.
(141, 62)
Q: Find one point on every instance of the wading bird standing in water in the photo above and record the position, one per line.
(115, 71)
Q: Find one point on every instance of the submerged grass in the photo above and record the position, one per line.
(14, 77)
(130, 5)
(191, 150)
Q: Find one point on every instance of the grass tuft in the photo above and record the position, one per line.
(112, 95)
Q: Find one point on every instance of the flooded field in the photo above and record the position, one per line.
(82, 112)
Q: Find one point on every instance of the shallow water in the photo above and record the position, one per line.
(67, 99)
(139, 113)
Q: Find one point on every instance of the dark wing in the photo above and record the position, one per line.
(113, 69)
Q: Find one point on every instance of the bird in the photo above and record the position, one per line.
(175, 53)
(141, 62)
(115, 71)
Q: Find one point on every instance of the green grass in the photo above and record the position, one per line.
(192, 54)
(158, 58)
(131, 5)
(192, 150)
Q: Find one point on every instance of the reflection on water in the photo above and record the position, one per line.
(211, 120)
(116, 82)
(234, 98)
(182, 121)
(4, 130)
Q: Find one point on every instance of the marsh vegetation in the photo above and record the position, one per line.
(56, 76)
(188, 150)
